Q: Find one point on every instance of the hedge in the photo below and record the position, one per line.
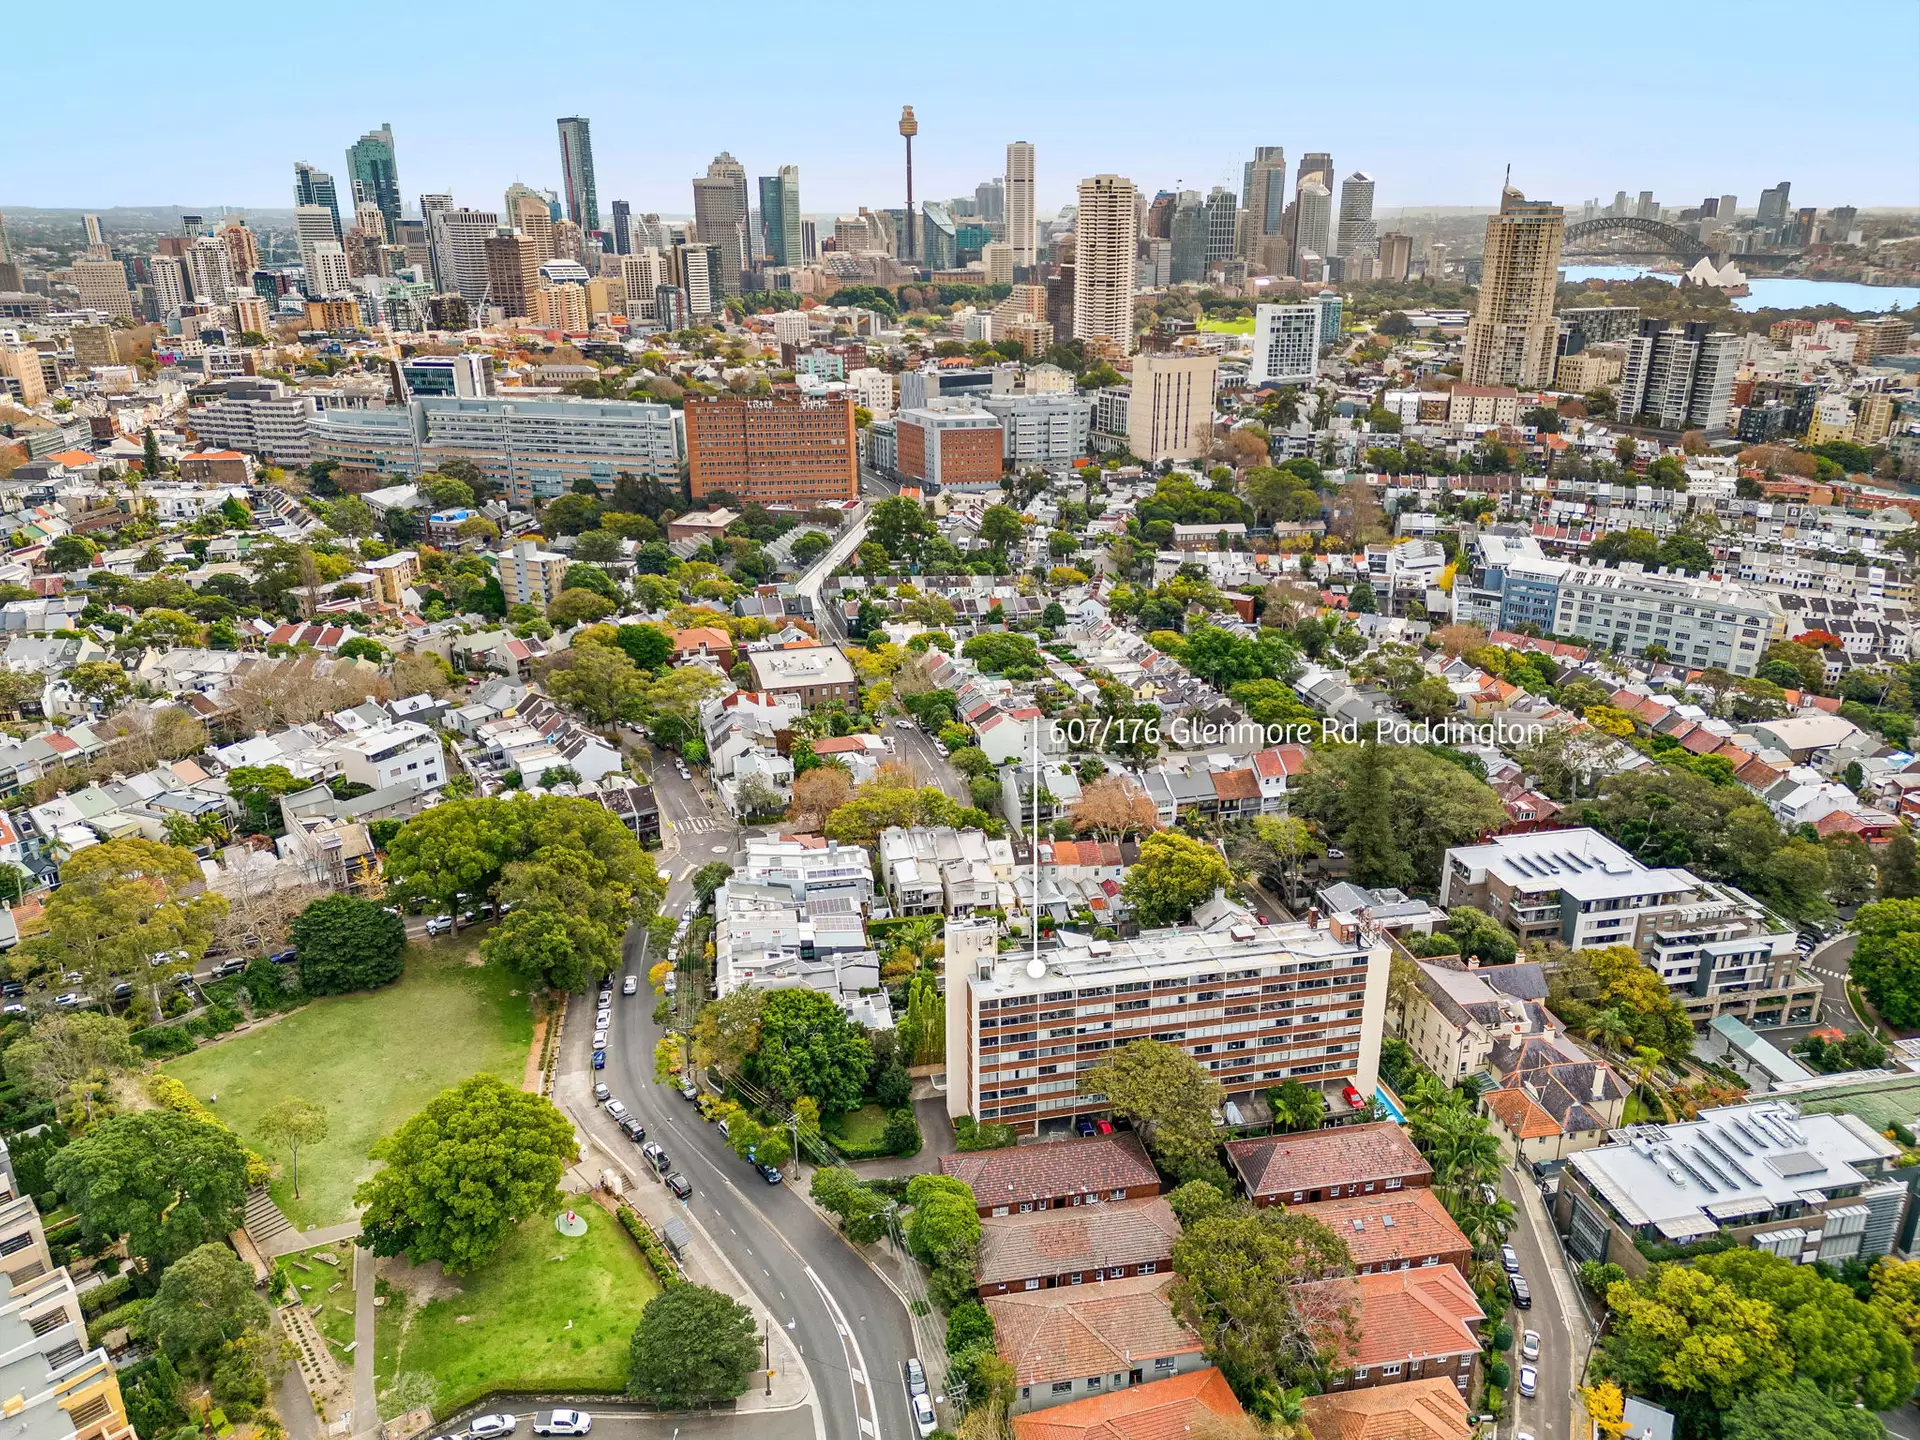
(93, 1301)
(113, 1319)
(665, 1268)
(969, 1134)
(159, 1041)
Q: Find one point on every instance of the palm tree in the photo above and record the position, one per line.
(211, 826)
(180, 830)
(1608, 1028)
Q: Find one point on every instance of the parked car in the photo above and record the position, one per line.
(630, 985)
(1529, 1381)
(600, 1091)
(1530, 1345)
(599, 1059)
(602, 1019)
(679, 1185)
(725, 1134)
(229, 967)
(14, 1007)
(616, 1109)
(483, 1427)
(68, 998)
(924, 1420)
(283, 957)
(769, 1173)
(1509, 1260)
(916, 1376)
(442, 925)
(600, 1039)
(636, 1132)
(689, 1091)
(656, 1157)
(123, 991)
(561, 1422)
(1522, 1295)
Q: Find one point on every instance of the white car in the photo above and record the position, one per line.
(1530, 1345)
(924, 1420)
(602, 1019)
(484, 1427)
(1529, 1380)
(616, 1109)
(599, 1039)
(630, 985)
(440, 925)
(561, 1422)
(67, 998)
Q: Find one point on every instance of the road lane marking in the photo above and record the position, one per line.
(869, 1413)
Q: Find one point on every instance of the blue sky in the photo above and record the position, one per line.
(1682, 97)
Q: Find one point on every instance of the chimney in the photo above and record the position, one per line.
(1599, 1082)
(1473, 962)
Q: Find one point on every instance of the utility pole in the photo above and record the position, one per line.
(766, 1351)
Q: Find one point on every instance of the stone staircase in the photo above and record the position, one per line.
(264, 1223)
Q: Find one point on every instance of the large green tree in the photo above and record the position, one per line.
(1248, 1287)
(1168, 1098)
(693, 1346)
(1173, 874)
(71, 1059)
(809, 1047)
(1801, 1411)
(347, 943)
(460, 1175)
(1886, 958)
(206, 1300)
(1395, 809)
(121, 906)
(168, 1182)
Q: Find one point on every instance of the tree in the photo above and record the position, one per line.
(1296, 1106)
(809, 1047)
(693, 1346)
(347, 943)
(1001, 527)
(559, 936)
(1899, 871)
(167, 1181)
(1247, 1286)
(1395, 809)
(293, 1123)
(1798, 1412)
(1113, 807)
(648, 646)
(576, 606)
(1173, 874)
(1886, 958)
(943, 1232)
(1479, 934)
(205, 1302)
(817, 793)
(71, 1059)
(461, 1174)
(600, 681)
(122, 905)
(259, 789)
(101, 681)
(70, 552)
(709, 878)
(1168, 1098)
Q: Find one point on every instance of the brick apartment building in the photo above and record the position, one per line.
(783, 449)
(1025, 1178)
(1318, 1165)
(949, 445)
(1045, 1249)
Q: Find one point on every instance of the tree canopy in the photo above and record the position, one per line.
(167, 1181)
(693, 1346)
(347, 943)
(807, 1046)
(1168, 1098)
(1173, 874)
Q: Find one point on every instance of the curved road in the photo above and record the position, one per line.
(849, 1325)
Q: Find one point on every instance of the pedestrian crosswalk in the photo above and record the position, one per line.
(694, 824)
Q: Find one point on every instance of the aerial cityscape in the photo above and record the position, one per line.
(962, 771)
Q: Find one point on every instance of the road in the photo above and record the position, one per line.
(847, 1324)
(1556, 1315)
(927, 764)
(637, 1425)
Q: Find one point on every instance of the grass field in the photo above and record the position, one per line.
(860, 1127)
(546, 1313)
(1228, 327)
(372, 1059)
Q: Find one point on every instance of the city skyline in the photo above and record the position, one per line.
(452, 137)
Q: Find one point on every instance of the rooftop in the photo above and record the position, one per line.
(1081, 1237)
(1428, 1409)
(1582, 863)
(1320, 1159)
(1158, 1410)
(1381, 1230)
(1078, 1330)
(1096, 1164)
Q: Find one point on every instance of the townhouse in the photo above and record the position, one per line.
(1049, 1249)
(1092, 1170)
(1330, 1164)
(1067, 1344)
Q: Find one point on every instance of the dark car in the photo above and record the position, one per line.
(679, 1185)
(1522, 1295)
(769, 1173)
(122, 991)
(599, 1059)
(283, 957)
(229, 967)
(636, 1132)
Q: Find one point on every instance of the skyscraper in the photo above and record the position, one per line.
(1357, 234)
(1679, 379)
(990, 196)
(1396, 256)
(576, 171)
(720, 220)
(95, 236)
(1270, 155)
(376, 176)
(513, 273)
(780, 215)
(1774, 203)
(1312, 223)
(527, 212)
(1106, 245)
(1187, 229)
(622, 228)
(459, 241)
(1223, 224)
(1315, 165)
(1266, 203)
(1020, 218)
(1511, 337)
(313, 187)
(312, 225)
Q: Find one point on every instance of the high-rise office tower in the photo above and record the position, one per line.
(1158, 224)
(459, 242)
(1644, 208)
(6, 251)
(312, 224)
(527, 212)
(513, 274)
(990, 197)
(1262, 155)
(95, 235)
(243, 250)
(622, 228)
(1106, 246)
(1266, 203)
(310, 187)
(171, 286)
(1396, 256)
(1511, 337)
(1728, 210)
(1774, 203)
(1315, 165)
(103, 286)
(1020, 217)
(376, 176)
(1187, 232)
(1312, 223)
(1357, 234)
(1223, 224)
(780, 216)
(720, 219)
(328, 272)
(576, 171)
(644, 272)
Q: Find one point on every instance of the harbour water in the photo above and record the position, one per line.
(1777, 294)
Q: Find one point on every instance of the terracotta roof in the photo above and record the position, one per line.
(1082, 1237)
(1429, 1409)
(1054, 1169)
(710, 636)
(1521, 1116)
(1236, 785)
(1158, 1410)
(1317, 1159)
(1077, 1330)
(1702, 741)
(1757, 774)
(1280, 761)
(1400, 1315)
(1399, 1225)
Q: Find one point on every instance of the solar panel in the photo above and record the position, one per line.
(1707, 1163)
(1680, 1159)
(1726, 1158)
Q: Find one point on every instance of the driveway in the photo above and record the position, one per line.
(1556, 1315)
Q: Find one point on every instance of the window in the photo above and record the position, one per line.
(1031, 1285)
(1063, 1387)
(1165, 1363)
(1093, 1381)
(1393, 1369)
(1149, 1268)
(1361, 1373)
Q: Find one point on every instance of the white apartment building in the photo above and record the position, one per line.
(794, 916)
(1679, 379)
(1702, 621)
(1049, 429)
(327, 270)
(1256, 1005)
(1170, 410)
(530, 575)
(262, 417)
(1286, 345)
(405, 750)
(872, 391)
(103, 286)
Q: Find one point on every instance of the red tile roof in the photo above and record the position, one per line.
(1078, 1330)
(1398, 1225)
(1320, 1159)
(1402, 1314)
(1523, 1118)
(1081, 1237)
(1158, 1410)
(1427, 1409)
(1054, 1170)
(1236, 785)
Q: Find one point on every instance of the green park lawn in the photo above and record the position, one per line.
(546, 1313)
(864, 1126)
(1243, 326)
(371, 1059)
